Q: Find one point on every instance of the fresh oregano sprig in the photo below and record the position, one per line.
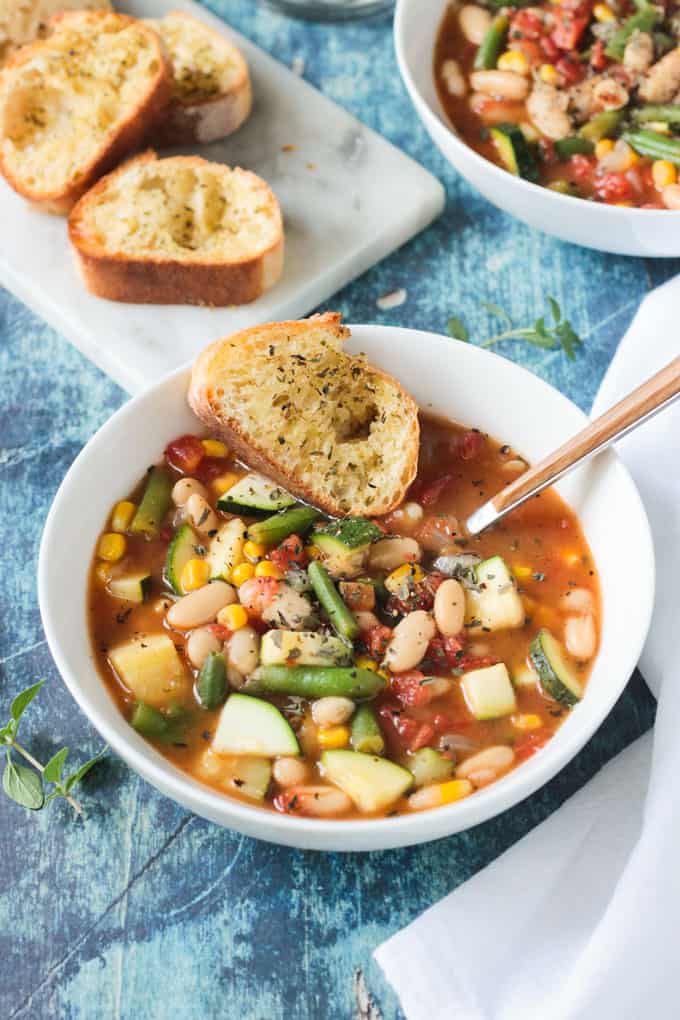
(548, 335)
(26, 786)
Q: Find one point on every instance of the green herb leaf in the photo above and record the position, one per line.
(498, 312)
(23, 785)
(456, 328)
(560, 334)
(555, 309)
(23, 700)
(81, 772)
(55, 766)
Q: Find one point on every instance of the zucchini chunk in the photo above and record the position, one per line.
(373, 783)
(182, 548)
(344, 544)
(252, 727)
(155, 504)
(132, 587)
(556, 675)
(496, 604)
(489, 692)
(254, 495)
(303, 648)
(149, 666)
(429, 766)
(248, 776)
(514, 151)
(226, 549)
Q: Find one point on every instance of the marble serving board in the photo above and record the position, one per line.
(349, 198)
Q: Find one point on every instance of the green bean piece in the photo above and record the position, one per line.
(666, 113)
(654, 145)
(566, 147)
(315, 681)
(366, 735)
(645, 20)
(492, 43)
(155, 504)
(212, 681)
(342, 620)
(273, 530)
(602, 125)
(151, 723)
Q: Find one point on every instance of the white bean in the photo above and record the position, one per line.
(200, 644)
(449, 607)
(482, 777)
(201, 606)
(413, 512)
(497, 759)
(671, 196)
(366, 620)
(430, 796)
(389, 553)
(409, 641)
(580, 636)
(577, 600)
(320, 801)
(243, 652)
(610, 94)
(453, 78)
(500, 84)
(289, 771)
(185, 488)
(474, 23)
(201, 514)
(236, 680)
(332, 711)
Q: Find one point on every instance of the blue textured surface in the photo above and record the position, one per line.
(142, 911)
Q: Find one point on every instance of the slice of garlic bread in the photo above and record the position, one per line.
(211, 95)
(22, 21)
(73, 104)
(328, 426)
(178, 230)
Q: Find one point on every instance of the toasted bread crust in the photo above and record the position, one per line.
(165, 280)
(128, 136)
(200, 120)
(203, 400)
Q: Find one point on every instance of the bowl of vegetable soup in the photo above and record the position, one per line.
(348, 683)
(564, 115)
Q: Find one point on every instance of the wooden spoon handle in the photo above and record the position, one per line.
(639, 406)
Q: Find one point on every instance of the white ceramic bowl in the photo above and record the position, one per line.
(468, 384)
(649, 232)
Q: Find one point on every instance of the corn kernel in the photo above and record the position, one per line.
(224, 482)
(529, 721)
(549, 74)
(243, 572)
(455, 789)
(407, 573)
(513, 60)
(603, 12)
(253, 550)
(333, 737)
(383, 673)
(521, 571)
(440, 793)
(195, 574)
(266, 568)
(112, 547)
(233, 617)
(122, 515)
(663, 173)
(604, 146)
(103, 573)
(313, 552)
(214, 448)
(363, 662)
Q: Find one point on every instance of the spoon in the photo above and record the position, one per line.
(638, 407)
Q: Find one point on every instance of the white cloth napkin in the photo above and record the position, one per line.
(580, 920)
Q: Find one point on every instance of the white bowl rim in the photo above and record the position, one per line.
(604, 208)
(440, 822)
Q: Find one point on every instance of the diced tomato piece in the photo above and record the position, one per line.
(437, 532)
(569, 27)
(449, 723)
(526, 25)
(581, 167)
(613, 187)
(420, 596)
(546, 147)
(210, 468)
(423, 736)
(291, 550)
(598, 57)
(410, 688)
(528, 745)
(444, 651)
(476, 661)
(431, 493)
(531, 49)
(572, 71)
(551, 50)
(471, 444)
(166, 533)
(401, 731)
(185, 454)
(377, 639)
(359, 596)
(220, 632)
